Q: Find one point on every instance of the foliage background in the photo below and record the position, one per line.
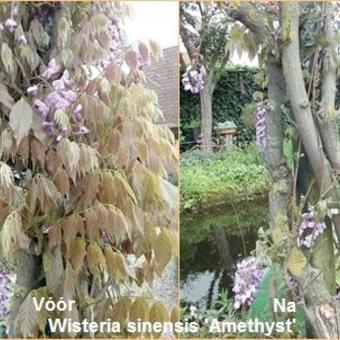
(233, 92)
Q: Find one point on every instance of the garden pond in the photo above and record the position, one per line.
(211, 245)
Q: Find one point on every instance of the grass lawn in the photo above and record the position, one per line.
(224, 178)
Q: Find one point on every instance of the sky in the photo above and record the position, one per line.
(157, 20)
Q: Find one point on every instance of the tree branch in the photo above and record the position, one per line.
(250, 17)
(327, 117)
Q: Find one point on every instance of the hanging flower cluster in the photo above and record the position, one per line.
(193, 79)
(294, 288)
(309, 230)
(248, 277)
(261, 125)
(57, 106)
(6, 279)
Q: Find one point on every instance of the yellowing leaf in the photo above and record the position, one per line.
(76, 254)
(163, 250)
(296, 262)
(69, 154)
(62, 119)
(20, 119)
(139, 310)
(156, 49)
(116, 265)
(121, 310)
(95, 259)
(158, 313)
(12, 235)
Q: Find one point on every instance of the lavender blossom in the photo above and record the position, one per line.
(309, 229)
(294, 288)
(193, 80)
(49, 127)
(248, 277)
(32, 90)
(6, 280)
(261, 125)
(41, 107)
(10, 25)
(22, 40)
(52, 69)
(77, 113)
(55, 100)
(82, 131)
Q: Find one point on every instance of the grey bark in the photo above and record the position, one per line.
(327, 117)
(274, 157)
(27, 277)
(206, 112)
(297, 94)
(315, 287)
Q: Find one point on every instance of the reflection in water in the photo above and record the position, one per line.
(210, 249)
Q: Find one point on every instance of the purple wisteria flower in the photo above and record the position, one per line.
(294, 288)
(22, 40)
(193, 79)
(309, 230)
(10, 25)
(32, 90)
(261, 125)
(6, 280)
(41, 107)
(248, 277)
(52, 69)
(78, 113)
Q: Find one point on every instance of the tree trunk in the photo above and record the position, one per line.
(27, 277)
(274, 158)
(317, 288)
(327, 115)
(206, 112)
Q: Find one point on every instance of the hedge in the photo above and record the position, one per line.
(232, 93)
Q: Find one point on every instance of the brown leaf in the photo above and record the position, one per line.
(62, 182)
(95, 259)
(121, 310)
(131, 59)
(144, 51)
(117, 266)
(54, 236)
(52, 162)
(91, 187)
(76, 254)
(91, 224)
(92, 87)
(72, 227)
(24, 149)
(7, 146)
(113, 73)
(38, 152)
(107, 190)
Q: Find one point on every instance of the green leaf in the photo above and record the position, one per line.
(5, 97)
(7, 59)
(273, 286)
